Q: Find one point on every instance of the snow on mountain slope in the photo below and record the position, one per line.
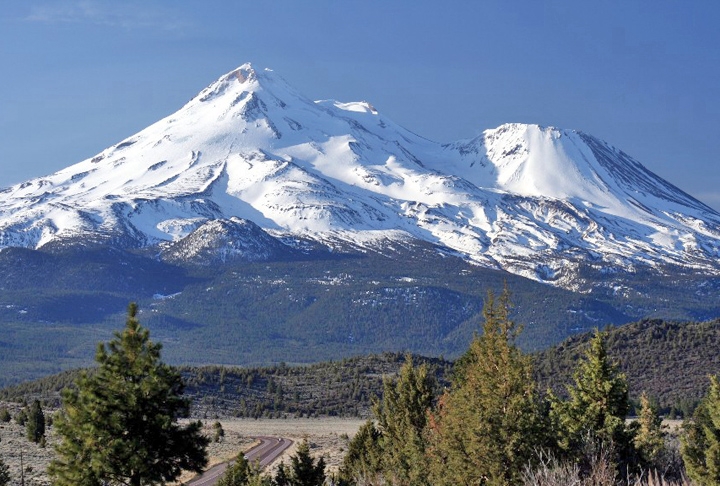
(535, 201)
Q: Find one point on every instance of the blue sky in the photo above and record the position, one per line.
(80, 75)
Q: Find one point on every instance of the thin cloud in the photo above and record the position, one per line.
(126, 15)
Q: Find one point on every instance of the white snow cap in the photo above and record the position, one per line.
(250, 146)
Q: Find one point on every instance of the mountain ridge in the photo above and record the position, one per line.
(540, 202)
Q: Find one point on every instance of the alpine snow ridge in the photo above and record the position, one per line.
(250, 165)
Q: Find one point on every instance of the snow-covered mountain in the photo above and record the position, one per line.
(537, 201)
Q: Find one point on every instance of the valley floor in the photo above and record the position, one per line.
(328, 437)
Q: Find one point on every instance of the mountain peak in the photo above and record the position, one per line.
(243, 74)
(242, 79)
(250, 146)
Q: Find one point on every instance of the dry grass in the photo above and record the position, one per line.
(328, 437)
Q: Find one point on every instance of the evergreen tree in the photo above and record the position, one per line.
(700, 443)
(282, 475)
(303, 470)
(489, 424)
(596, 409)
(242, 473)
(402, 418)
(35, 423)
(119, 425)
(649, 439)
(362, 462)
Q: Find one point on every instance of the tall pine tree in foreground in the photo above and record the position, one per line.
(119, 426)
(649, 439)
(701, 439)
(402, 417)
(394, 452)
(593, 419)
(489, 424)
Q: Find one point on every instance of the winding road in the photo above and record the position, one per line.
(263, 453)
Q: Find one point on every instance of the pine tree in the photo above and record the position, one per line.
(402, 418)
(649, 438)
(35, 423)
(594, 416)
(489, 424)
(700, 442)
(242, 473)
(303, 470)
(120, 424)
(362, 462)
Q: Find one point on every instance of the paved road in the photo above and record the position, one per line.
(264, 453)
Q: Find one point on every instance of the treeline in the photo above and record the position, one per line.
(669, 360)
(493, 426)
(343, 388)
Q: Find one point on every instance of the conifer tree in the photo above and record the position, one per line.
(242, 473)
(402, 418)
(237, 474)
(119, 426)
(597, 407)
(35, 423)
(362, 462)
(489, 424)
(700, 442)
(303, 470)
(649, 438)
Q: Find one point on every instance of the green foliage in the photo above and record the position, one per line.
(701, 439)
(242, 473)
(649, 438)
(317, 308)
(35, 423)
(5, 415)
(669, 360)
(303, 470)
(341, 388)
(489, 424)
(119, 425)
(597, 407)
(402, 417)
(362, 462)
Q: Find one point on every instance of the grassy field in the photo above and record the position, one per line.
(328, 437)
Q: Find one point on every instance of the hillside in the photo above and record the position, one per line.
(338, 388)
(670, 361)
(255, 226)
(306, 310)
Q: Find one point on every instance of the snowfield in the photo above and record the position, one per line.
(535, 201)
